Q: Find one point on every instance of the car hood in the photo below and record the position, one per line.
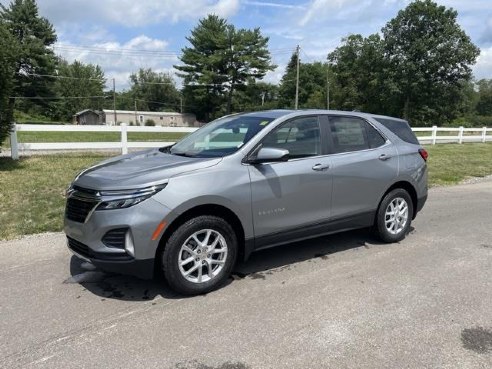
(139, 169)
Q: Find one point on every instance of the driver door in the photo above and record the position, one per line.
(289, 197)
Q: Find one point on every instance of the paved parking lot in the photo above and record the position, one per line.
(343, 301)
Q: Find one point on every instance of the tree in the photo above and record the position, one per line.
(8, 55)
(430, 57)
(484, 103)
(220, 59)
(34, 35)
(77, 79)
(255, 96)
(154, 91)
(360, 75)
(312, 85)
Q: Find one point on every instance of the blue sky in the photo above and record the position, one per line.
(124, 35)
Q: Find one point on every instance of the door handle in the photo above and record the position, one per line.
(320, 167)
(384, 157)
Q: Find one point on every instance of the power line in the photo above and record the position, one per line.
(309, 58)
(58, 76)
(141, 52)
(55, 97)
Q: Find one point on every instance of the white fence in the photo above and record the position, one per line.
(462, 135)
(122, 145)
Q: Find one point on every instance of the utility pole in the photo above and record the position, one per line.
(114, 101)
(327, 91)
(181, 104)
(263, 98)
(136, 121)
(297, 77)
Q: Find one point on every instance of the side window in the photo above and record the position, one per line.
(374, 137)
(300, 136)
(353, 134)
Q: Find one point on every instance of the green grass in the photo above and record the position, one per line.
(32, 189)
(451, 163)
(32, 192)
(94, 137)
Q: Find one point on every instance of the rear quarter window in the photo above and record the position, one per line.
(401, 129)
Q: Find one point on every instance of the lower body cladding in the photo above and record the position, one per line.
(119, 240)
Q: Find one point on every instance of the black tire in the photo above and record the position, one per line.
(380, 229)
(171, 252)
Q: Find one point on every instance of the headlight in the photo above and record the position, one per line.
(126, 198)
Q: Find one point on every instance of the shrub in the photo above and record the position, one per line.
(472, 121)
(150, 122)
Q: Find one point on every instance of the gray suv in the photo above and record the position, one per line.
(243, 183)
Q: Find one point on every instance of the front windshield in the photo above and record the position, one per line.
(221, 137)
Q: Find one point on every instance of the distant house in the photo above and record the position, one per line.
(88, 117)
(164, 118)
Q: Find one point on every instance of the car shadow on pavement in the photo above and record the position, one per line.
(266, 262)
(117, 286)
(259, 266)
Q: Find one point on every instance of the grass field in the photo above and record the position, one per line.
(32, 189)
(94, 137)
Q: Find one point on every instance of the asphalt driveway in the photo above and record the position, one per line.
(343, 301)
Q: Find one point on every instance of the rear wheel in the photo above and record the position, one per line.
(394, 216)
(199, 255)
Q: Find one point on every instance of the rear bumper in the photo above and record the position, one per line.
(420, 203)
(114, 263)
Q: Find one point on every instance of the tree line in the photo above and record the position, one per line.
(417, 67)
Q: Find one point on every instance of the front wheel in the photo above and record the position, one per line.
(394, 216)
(199, 255)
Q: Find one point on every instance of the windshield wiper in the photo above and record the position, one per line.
(183, 153)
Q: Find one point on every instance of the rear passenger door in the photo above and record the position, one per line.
(363, 165)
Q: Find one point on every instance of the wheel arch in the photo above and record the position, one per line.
(407, 186)
(204, 209)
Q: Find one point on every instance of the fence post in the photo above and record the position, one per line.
(124, 139)
(434, 134)
(14, 147)
(484, 134)
(460, 135)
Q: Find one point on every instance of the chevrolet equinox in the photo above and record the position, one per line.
(243, 183)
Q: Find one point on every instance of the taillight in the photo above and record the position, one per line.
(424, 154)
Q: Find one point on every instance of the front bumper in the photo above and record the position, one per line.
(124, 264)
(141, 220)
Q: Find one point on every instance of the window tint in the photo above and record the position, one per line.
(353, 134)
(300, 136)
(400, 128)
(374, 137)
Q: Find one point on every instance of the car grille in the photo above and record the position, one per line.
(86, 251)
(78, 210)
(80, 248)
(115, 238)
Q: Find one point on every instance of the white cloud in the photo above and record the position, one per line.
(272, 5)
(119, 60)
(133, 13)
(483, 68)
(322, 8)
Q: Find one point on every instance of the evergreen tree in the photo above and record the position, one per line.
(220, 59)
(34, 35)
(8, 55)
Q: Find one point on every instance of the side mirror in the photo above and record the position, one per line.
(269, 155)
